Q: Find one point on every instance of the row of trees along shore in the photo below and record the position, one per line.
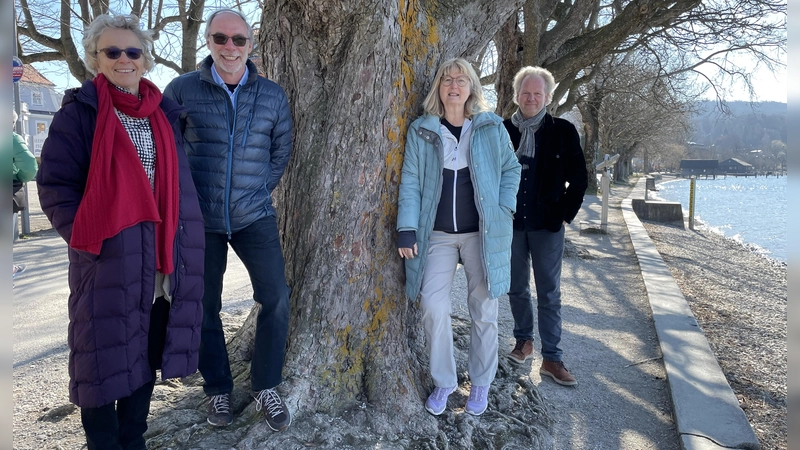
(356, 73)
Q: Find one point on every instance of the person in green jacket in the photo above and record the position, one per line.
(24, 168)
(24, 163)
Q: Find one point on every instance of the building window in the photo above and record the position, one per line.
(36, 97)
(41, 127)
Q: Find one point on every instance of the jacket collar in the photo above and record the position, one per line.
(548, 121)
(431, 123)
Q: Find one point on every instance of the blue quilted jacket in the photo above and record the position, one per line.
(237, 157)
(495, 175)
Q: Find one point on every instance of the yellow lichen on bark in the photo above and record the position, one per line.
(380, 307)
(416, 40)
(344, 372)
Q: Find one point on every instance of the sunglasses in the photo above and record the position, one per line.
(221, 39)
(115, 53)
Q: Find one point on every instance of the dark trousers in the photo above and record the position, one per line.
(259, 248)
(120, 425)
(542, 251)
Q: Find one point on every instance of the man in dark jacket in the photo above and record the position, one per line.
(238, 135)
(554, 179)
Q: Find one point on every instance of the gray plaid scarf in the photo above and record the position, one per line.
(527, 128)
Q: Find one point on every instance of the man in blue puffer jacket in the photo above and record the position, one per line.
(238, 135)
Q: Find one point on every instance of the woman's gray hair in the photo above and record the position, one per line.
(229, 11)
(104, 22)
(475, 103)
(544, 74)
(14, 117)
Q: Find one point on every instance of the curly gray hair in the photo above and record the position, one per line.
(102, 23)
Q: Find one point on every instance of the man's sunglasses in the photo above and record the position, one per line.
(221, 39)
(115, 53)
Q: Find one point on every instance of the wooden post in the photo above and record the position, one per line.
(691, 202)
(604, 183)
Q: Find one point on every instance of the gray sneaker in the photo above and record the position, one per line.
(275, 410)
(219, 410)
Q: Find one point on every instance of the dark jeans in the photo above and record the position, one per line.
(121, 425)
(259, 248)
(542, 251)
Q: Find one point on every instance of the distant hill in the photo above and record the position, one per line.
(751, 131)
(749, 123)
(740, 109)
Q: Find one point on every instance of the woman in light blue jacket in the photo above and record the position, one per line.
(457, 199)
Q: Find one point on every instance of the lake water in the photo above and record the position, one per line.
(749, 210)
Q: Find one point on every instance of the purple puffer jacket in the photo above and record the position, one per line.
(111, 294)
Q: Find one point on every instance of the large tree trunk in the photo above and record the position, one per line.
(355, 76)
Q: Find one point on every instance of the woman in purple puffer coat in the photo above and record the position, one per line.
(115, 183)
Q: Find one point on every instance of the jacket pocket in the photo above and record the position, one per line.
(247, 130)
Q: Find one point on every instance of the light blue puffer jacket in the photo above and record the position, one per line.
(495, 174)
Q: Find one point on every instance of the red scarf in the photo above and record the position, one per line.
(118, 193)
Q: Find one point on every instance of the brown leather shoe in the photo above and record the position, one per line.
(522, 352)
(557, 371)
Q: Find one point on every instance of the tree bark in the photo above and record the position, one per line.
(191, 21)
(508, 42)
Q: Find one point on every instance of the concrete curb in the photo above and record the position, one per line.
(705, 409)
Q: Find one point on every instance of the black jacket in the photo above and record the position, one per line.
(551, 189)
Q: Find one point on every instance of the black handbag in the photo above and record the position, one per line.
(18, 197)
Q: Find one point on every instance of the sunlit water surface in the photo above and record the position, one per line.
(749, 210)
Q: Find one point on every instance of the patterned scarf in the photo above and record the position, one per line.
(527, 128)
(118, 193)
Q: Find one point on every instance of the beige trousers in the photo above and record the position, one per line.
(444, 253)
